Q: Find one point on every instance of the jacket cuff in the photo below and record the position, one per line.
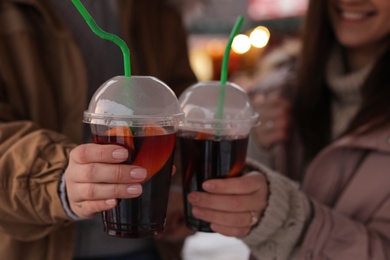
(288, 210)
(65, 201)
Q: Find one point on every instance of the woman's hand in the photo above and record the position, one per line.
(95, 179)
(231, 205)
(275, 117)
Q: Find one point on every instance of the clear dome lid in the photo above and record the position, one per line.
(200, 104)
(134, 101)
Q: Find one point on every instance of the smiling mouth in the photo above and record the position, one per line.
(354, 16)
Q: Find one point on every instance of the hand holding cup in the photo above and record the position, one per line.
(232, 206)
(275, 113)
(213, 144)
(95, 178)
(141, 115)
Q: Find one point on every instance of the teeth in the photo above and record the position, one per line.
(352, 16)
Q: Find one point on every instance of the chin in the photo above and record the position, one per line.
(351, 42)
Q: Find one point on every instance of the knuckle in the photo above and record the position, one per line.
(118, 172)
(78, 154)
(100, 152)
(90, 191)
(90, 171)
(116, 191)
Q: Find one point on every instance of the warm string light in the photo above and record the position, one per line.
(205, 54)
(257, 38)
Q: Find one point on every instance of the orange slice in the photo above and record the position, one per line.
(236, 169)
(155, 149)
(202, 136)
(151, 129)
(124, 131)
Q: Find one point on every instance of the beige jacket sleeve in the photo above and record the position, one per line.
(284, 220)
(32, 162)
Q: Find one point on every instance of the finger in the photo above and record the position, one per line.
(271, 139)
(277, 98)
(109, 173)
(95, 192)
(245, 184)
(246, 193)
(273, 124)
(227, 219)
(258, 98)
(272, 127)
(231, 203)
(87, 209)
(266, 136)
(273, 113)
(89, 153)
(272, 108)
(274, 121)
(230, 231)
(270, 100)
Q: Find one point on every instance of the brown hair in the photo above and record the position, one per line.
(311, 108)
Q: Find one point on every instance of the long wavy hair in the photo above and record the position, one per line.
(311, 106)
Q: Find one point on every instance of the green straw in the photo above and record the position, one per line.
(225, 63)
(106, 36)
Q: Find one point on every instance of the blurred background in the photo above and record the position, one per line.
(268, 37)
(269, 25)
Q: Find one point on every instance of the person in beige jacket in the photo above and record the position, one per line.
(329, 132)
(50, 64)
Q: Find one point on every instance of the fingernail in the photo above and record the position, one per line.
(208, 185)
(111, 202)
(138, 173)
(134, 189)
(120, 154)
(193, 197)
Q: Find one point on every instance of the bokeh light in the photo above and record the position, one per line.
(241, 44)
(259, 37)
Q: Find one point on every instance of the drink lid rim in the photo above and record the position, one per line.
(253, 120)
(175, 119)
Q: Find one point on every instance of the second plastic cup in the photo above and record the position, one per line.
(213, 145)
(142, 115)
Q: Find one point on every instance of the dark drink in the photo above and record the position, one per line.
(142, 114)
(207, 157)
(143, 216)
(213, 137)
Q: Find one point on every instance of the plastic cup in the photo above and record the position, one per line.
(142, 115)
(212, 147)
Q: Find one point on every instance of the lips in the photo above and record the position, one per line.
(354, 15)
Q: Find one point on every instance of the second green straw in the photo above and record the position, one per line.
(225, 63)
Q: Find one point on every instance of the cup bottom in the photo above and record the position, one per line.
(127, 231)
